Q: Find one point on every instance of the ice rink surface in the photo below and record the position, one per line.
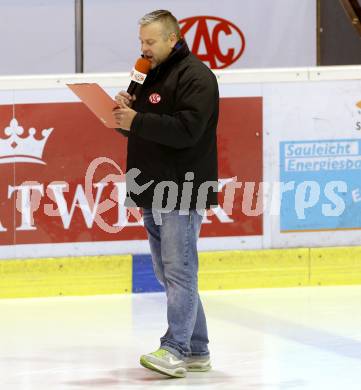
(261, 339)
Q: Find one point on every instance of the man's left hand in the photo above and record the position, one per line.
(124, 116)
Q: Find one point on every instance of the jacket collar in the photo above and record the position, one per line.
(179, 52)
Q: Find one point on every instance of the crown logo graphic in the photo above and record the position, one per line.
(18, 149)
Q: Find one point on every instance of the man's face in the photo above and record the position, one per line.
(154, 46)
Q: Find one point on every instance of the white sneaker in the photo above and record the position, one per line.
(198, 363)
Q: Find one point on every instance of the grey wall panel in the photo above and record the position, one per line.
(36, 37)
(278, 33)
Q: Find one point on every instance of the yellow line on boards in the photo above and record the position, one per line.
(65, 276)
(280, 268)
(95, 275)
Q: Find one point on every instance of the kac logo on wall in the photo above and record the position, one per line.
(214, 40)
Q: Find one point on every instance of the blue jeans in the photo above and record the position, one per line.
(173, 243)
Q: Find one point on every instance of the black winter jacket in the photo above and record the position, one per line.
(173, 138)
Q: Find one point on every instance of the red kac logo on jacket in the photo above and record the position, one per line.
(223, 41)
(155, 98)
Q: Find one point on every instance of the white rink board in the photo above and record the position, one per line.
(306, 105)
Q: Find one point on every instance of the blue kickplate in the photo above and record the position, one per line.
(144, 279)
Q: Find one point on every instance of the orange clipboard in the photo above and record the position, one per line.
(97, 100)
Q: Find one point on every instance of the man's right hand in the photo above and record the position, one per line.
(125, 98)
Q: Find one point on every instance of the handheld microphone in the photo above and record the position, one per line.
(138, 74)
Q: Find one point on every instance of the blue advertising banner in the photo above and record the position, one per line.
(320, 185)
